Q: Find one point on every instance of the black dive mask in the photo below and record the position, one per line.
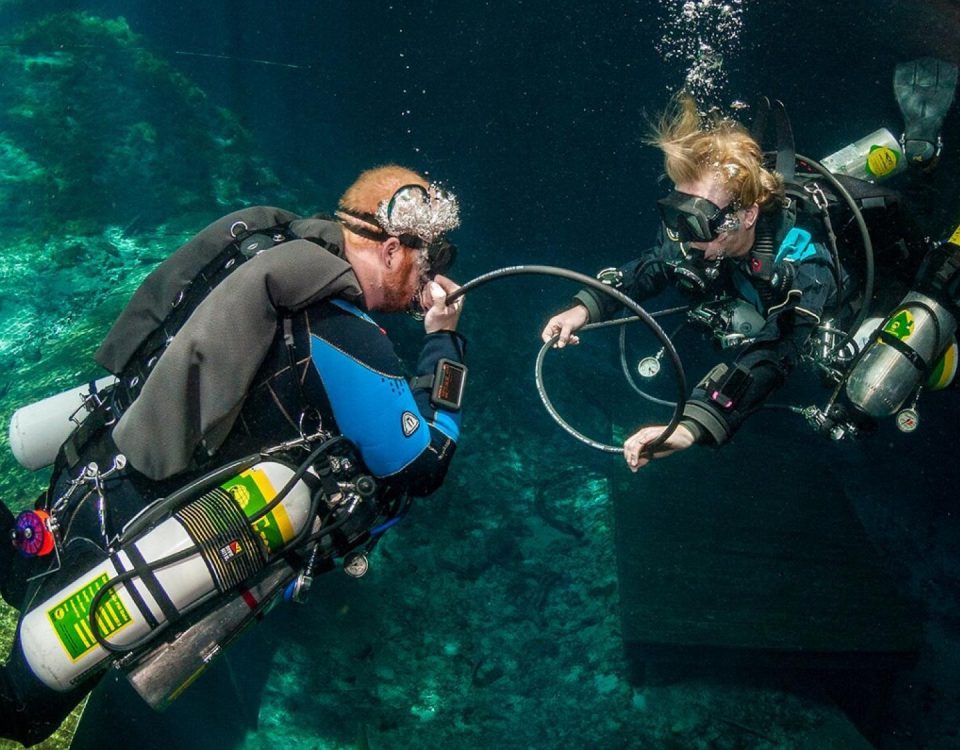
(690, 218)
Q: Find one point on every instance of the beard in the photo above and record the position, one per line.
(400, 285)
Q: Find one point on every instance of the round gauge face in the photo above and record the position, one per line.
(648, 367)
(908, 420)
(355, 565)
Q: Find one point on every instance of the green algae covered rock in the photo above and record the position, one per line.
(96, 128)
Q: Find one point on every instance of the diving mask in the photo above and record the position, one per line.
(690, 218)
(419, 217)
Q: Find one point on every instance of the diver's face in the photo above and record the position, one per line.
(404, 283)
(733, 243)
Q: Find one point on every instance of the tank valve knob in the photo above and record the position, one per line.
(31, 534)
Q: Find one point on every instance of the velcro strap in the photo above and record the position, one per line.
(422, 381)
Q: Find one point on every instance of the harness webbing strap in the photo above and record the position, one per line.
(785, 146)
(145, 573)
(915, 359)
(69, 453)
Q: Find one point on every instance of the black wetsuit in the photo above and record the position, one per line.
(775, 350)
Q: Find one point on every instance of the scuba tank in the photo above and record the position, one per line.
(209, 546)
(38, 430)
(915, 342)
(874, 157)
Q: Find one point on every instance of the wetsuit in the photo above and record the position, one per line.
(791, 315)
(332, 364)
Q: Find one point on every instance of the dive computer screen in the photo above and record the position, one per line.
(448, 383)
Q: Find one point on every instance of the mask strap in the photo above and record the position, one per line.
(377, 235)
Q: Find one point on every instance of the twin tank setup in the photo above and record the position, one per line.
(201, 563)
(223, 542)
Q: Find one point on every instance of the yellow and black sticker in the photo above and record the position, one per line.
(881, 161)
(252, 491)
(71, 617)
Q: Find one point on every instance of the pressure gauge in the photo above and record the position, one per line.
(908, 420)
(648, 367)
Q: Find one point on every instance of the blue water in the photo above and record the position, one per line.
(482, 625)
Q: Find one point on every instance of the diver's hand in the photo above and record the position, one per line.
(564, 324)
(634, 448)
(440, 316)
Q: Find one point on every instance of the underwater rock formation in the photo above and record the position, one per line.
(98, 129)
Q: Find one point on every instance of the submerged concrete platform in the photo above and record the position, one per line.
(753, 556)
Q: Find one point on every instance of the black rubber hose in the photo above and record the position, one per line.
(620, 297)
(868, 281)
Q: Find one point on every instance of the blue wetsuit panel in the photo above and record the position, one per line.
(796, 246)
(448, 423)
(375, 411)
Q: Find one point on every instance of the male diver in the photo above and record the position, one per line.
(260, 428)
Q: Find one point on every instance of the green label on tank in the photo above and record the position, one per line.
(900, 325)
(253, 490)
(881, 161)
(71, 617)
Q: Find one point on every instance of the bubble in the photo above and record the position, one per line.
(702, 36)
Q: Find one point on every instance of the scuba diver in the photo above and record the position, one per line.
(756, 249)
(258, 428)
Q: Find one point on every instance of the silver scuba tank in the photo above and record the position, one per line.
(911, 340)
(874, 157)
(205, 549)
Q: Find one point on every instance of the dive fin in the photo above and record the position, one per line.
(924, 89)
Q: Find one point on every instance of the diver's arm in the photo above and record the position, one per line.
(729, 394)
(427, 472)
(403, 439)
(641, 278)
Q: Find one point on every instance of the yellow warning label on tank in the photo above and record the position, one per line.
(900, 325)
(945, 370)
(955, 237)
(253, 491)
(881, 161)
(71, 617)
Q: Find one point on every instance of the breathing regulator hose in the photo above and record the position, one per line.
(869, 272)
(623, 300)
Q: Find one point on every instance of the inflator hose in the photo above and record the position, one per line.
(624, 300)
(868, 270)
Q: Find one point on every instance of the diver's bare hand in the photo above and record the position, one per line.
(440, 316)
(564, 324)
(634, 449)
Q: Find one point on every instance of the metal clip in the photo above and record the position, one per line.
(816, 192)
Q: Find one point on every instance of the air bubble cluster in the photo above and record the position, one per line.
(702, 36)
